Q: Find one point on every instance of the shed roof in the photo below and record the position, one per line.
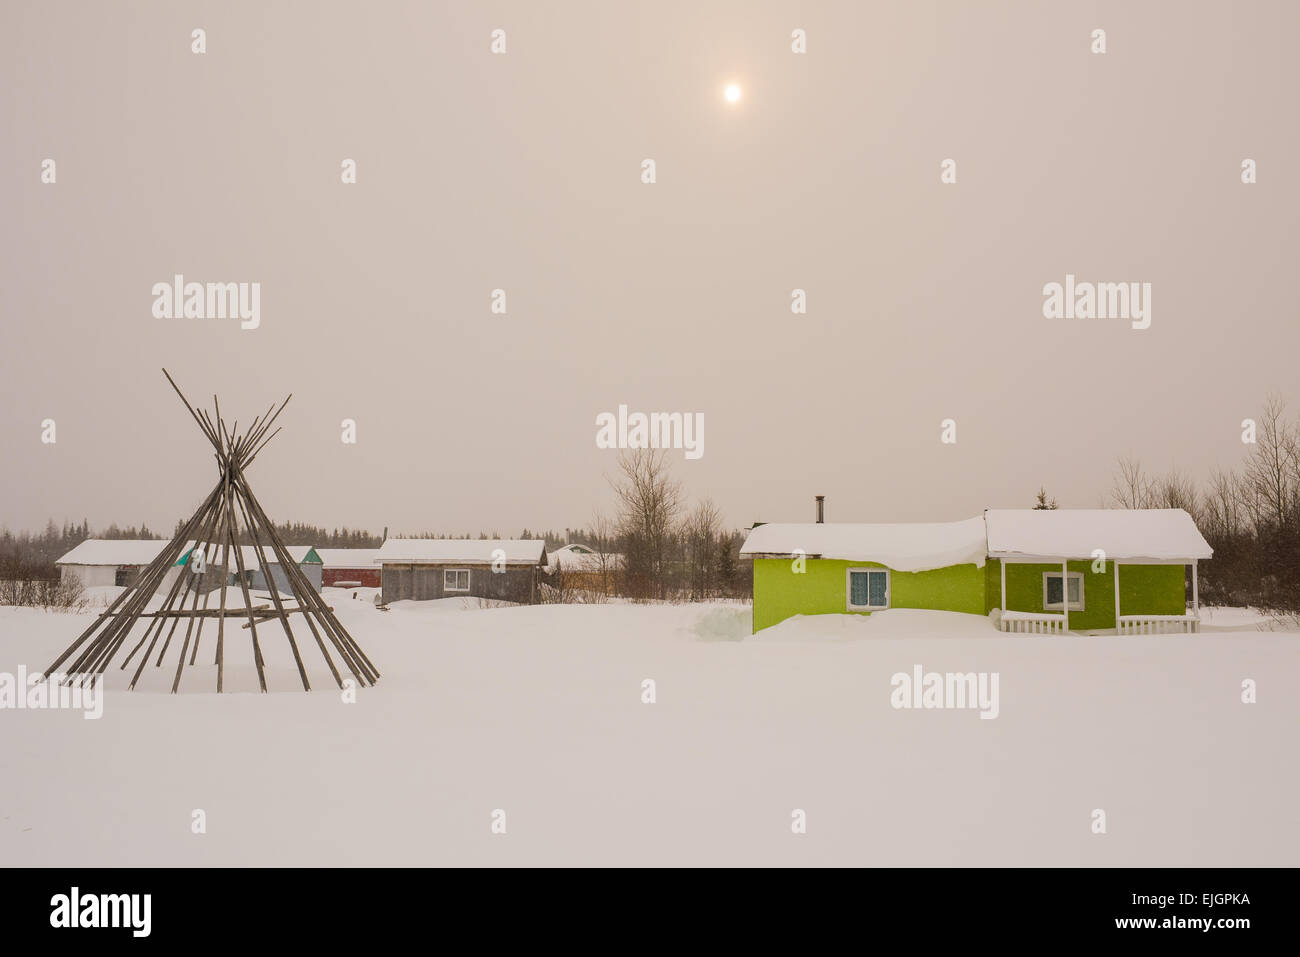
(114, 551)
(462, 551)
(909, 547)
(1150, 534)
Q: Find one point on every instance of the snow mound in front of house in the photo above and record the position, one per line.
(724, 623)
(891, 623)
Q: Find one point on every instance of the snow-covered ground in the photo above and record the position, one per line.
(537, 711)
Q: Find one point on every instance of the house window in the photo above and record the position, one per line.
(1052, 591)
(455, 579)
(868, 589)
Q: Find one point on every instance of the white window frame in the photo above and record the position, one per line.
(456, 571)
(1065, 593)
(848, 589)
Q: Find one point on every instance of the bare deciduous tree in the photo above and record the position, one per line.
(1131, 488)
(700, 535)
(1272, 472)
(602, 543)
(650, 500)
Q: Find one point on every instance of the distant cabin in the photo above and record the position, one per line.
(100, 561)
(1050, 571)
(584, 567)
(421, 569)
(350, 565)
(304, 556)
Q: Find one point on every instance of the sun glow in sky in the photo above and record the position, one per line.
(732, 93)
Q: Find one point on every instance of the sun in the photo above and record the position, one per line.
(732, 93)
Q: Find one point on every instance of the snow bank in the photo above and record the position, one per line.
(891, 623)
(540, 710)
(728, 623)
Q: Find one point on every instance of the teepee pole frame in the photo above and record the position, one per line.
(227, 517)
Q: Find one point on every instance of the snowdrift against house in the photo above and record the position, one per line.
(1151, 534)
(906, 547)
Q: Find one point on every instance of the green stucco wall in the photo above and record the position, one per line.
(822, 589)
(780, 592)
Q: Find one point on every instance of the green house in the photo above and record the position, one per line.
(1049, 571)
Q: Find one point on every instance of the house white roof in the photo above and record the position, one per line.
(1152, 534)
(462, 551)
(1157, 534)
(348, 557)
(910, 547)
(122, 551)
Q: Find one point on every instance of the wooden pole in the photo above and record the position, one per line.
(1115, 566)
(248, 602)
(1196, 593)
(269, 574)
(128, 597)
(1065, 594)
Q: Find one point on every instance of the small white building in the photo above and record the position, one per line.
(101, 561)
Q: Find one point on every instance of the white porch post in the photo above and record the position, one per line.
(1115, 565)
(1196, 593)
(1065, 594)
(1002, 563)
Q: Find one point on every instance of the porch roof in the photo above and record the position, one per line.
(1143, 534)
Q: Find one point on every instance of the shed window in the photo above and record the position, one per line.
(1052, 591)
(868, 588)
(455, 579)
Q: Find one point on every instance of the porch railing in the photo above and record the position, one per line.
(1159, 624)
(1032, 623)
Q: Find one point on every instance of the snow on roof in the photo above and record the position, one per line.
(1152, 534)
(911, 547)
(582, 558)
(462, 551)
(348, 557)
(120, 551)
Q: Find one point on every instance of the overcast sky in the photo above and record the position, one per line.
(522, 172)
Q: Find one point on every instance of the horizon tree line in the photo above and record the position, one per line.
(656, 545)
